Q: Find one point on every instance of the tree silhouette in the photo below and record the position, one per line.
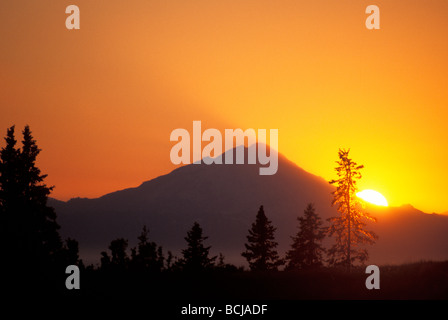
(260, 249)
(28, 225)
(221, 265)
(306, 250)
(196, 256)
(147, 256)
(105, 261)
(9, 202)
(169, 261)
(348, 228)
(71, 251)
(119, 259)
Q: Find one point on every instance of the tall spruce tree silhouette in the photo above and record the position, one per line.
(348, 228)
(196, 255)
(9, 200)
(306, 250)
(260, 249)
(29, 231)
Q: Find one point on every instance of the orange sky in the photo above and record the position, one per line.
(103, 100)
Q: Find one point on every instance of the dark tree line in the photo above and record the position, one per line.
(306, 251)
(149, 257)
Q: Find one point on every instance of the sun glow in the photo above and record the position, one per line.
(373, 196)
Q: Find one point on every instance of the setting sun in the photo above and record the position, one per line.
(373, 196)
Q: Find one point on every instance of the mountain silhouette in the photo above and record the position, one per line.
(224, 200)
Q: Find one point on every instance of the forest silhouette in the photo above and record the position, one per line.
(35, 257)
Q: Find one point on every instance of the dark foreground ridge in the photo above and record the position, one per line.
(422, 280)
